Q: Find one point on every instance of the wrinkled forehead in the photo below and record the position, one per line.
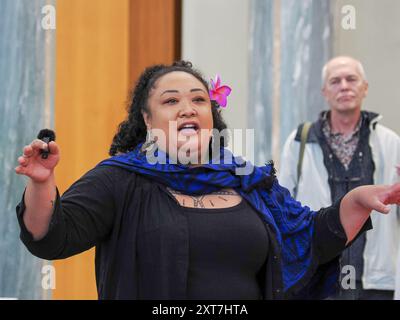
(343, 68)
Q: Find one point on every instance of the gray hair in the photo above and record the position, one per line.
(359, 67)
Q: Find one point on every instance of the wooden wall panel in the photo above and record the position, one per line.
(155, 33)
(91, 87)
(102, 46)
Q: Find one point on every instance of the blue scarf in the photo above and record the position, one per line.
(292, 223)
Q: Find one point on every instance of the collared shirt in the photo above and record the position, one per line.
(342, 145)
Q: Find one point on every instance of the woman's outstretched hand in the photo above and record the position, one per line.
(380, 197)
(31, 163)
(357, 205)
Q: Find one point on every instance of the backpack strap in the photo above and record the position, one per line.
(304, 136)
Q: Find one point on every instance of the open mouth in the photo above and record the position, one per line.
(188, 129)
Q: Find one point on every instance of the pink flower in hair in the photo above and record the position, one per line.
(219, 93)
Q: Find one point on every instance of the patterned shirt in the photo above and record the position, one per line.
(343, 146)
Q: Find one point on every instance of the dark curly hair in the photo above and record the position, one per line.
(132, 131)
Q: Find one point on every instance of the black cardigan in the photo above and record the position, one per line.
(141, 237)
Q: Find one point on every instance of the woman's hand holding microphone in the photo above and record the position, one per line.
(37, 163)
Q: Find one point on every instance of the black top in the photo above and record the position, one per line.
(227, 250)
(142, 237)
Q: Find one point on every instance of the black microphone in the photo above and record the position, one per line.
(46, 135)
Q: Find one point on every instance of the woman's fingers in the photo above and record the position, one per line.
(20, 170)
(393, 195)
(381, 207)
(53, 148)
(27, 151)
(23, 161)
(33, 165)
(38, 145)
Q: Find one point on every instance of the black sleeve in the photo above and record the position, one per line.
(329, 236)
(82, 217)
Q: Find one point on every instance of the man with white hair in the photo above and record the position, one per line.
(346, 148)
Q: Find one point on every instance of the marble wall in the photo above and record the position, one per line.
(261, 77)
(26, 106)
(290, 41)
